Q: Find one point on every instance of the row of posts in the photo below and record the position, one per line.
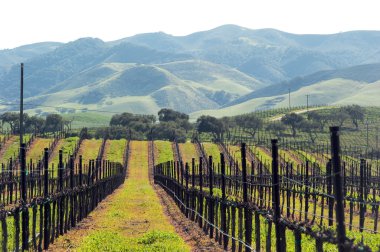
(338, 194)
(25, 213)
(280, 228)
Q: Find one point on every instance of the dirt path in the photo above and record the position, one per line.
(131, 219)
(278, 118)
(187, 229)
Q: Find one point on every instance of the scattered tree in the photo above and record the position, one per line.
(356, 114)
(319, 118)
(53, 122)
(311, 128)
(169, 131)
(12, 119)
(340, 117)
(277, 128)
(249, 123)
(35, 124)
(210, 124)
(166, 115)
(294, 121)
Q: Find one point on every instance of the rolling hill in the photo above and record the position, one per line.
(332, 92)
(363, 73)
(141, 88)
(10, 57)
(230, 68)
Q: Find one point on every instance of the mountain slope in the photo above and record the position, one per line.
(130, 84)
(10, 57)
(215, 84)
(217, 76)
(268, 54)
(334, 91)
(363, 73)
(222, 67)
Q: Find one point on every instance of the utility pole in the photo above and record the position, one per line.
(21, 127)
(289, 97)
(367, 123)
(307, 103)
(377, 138)
(22, 153)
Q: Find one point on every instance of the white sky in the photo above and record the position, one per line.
(29, 21)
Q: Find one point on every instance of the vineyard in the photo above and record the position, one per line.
(88, 194)
(270, 200)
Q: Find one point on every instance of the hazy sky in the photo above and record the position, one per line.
(28, 21)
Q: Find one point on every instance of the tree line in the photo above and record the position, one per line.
(33, 124)
(173, 125)
(312, 123)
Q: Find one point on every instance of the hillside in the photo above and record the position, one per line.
(333, 92)
(271, 55)
(363, 73)
(10, 57)
(218, 68)
(147, 88)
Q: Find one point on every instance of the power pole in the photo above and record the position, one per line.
(367, 123)
(21, 127)
(289, 98)
(307, 103)
(377, 138)
(25, 214)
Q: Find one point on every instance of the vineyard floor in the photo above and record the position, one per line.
(131, 219)
(4, 148)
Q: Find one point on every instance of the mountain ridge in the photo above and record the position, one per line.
(215, 69)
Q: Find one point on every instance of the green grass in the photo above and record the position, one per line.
(212, 149)
(114, 150)
(235, 152)
(188, 151)
(89, 149)
(163, 151)
(88, 119)
(35, 153)
(12, 150)
(141, 224)
(262, 154)
(67, 146)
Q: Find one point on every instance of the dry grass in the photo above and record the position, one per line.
(89, 149)
(35, 153)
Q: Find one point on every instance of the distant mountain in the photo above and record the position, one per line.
(268, 54)
(222, 68)
(10, 57)
(184, 85)
(47, 70)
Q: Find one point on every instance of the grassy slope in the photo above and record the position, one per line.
(114, 150)
(212, 149)
(67, 146)
(188, 152)
(141, 225)
(222, 77)
(325, 92)
(163, 151)
(11, 150)
(35, 153)
(88, 119)
(89, 149)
